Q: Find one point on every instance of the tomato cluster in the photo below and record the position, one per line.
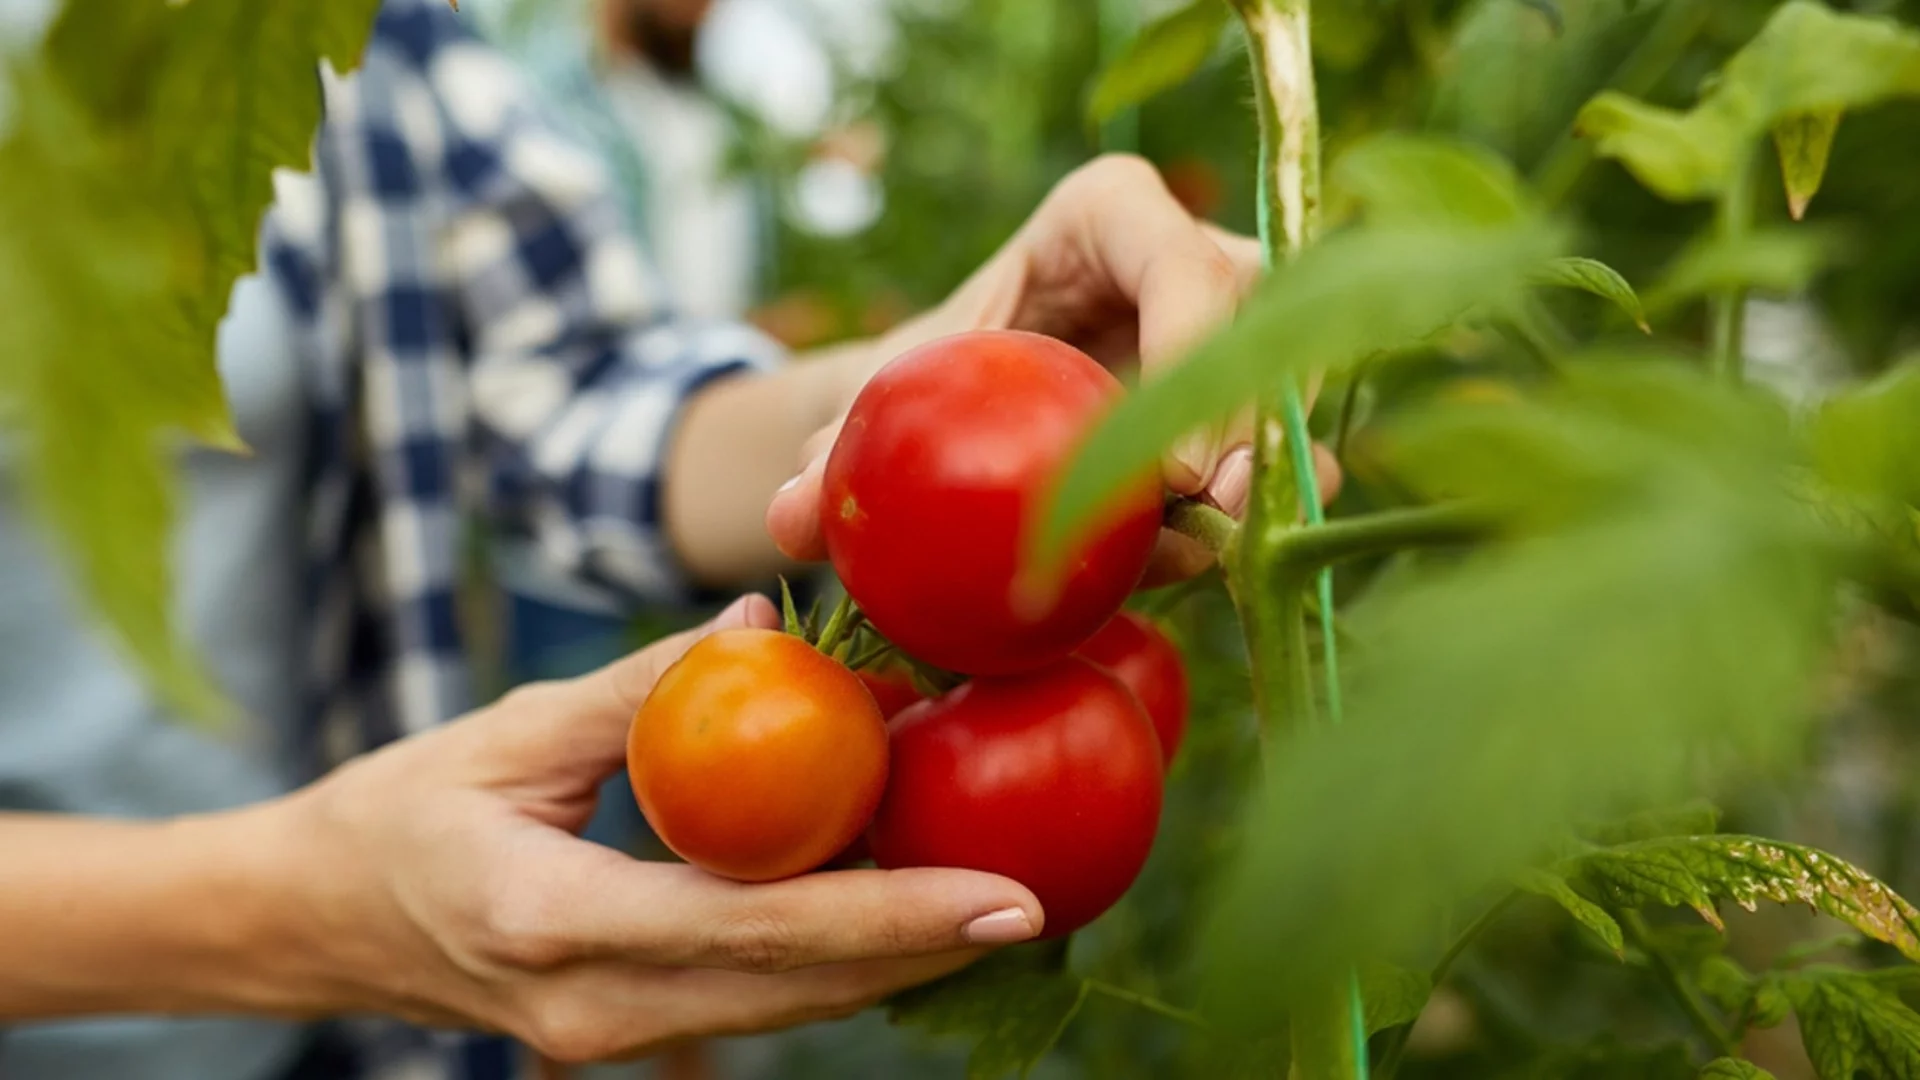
(1046, 764)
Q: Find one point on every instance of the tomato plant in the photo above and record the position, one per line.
(1051, 778)
(757, 757)
(1141, 656)
(936, 481)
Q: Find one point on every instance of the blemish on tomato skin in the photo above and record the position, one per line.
(849, 508)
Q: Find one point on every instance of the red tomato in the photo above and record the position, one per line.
(943, 464)
(1143, 658)
(1052, 778)
(756, 757)
(892, 690)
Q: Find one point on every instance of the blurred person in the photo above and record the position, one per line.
(452, 322)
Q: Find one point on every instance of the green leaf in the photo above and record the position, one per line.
(1733, 1069)
(1609, 1060)
(1853, 1027)
(1013, 1005)
(1866, 440)
(1424, 180)
(1596, 277)
(1165, 55)
(1808, 59)
(1352, 295)
(1804, 142)
(1584, 911)
(1775, 260)
(133, 173)
(1701, 871)
(1693, 818)
(1392, 995)
(1672, 614)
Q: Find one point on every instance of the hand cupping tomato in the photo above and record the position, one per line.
(763, 755)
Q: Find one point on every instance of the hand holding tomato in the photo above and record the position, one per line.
(442, 879)
(1112, 264)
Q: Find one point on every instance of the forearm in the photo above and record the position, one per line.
(177, 916)
(737, 442)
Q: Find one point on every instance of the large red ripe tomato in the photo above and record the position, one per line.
(756, 757)
(1142, 657)
(943, 465)
(1052, 778)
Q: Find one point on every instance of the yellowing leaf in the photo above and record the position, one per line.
(1701, 871)
(1807, 60)
(1804, 141)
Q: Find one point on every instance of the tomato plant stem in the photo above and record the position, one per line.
(1685, 996)
(1310, 549)
(1214, 530)
(1395, 1043)
(1151, 1004)
(1733, 216)
(1329, 1032)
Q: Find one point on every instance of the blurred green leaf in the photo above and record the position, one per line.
(1807, 60)
(1423, 180)
(1609, 1060)
(1733, 1069)
(133, 175)
(1866, 440)
(1673, 611)
(1853, 1027)
(1697, 817)
(1012, 1005)
(1355, 294)
(1392, 995)
(1596, 277)
(1554, 887)
(1804, 142)
(1779, 260)
(1165, 55)
(1701, 871)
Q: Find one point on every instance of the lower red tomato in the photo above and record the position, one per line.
(1141, 656)
(756, 757)
(1052, 778)
(892, 690)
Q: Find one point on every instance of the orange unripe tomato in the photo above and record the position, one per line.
(756, 757)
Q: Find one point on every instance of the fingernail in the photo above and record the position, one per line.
(1196, 452)
(1230, 484)
(1003, 927)
(734, 614)
(790, 484)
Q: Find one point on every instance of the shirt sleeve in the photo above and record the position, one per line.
(579, 368)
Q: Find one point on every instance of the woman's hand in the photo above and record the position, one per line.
(451, 882)
(441, 879)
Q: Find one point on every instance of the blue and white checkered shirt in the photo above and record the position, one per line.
(485, 340)
(482, 341)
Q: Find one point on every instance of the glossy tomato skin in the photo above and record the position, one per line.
(1052, 778)
(756, 757)
(1142, 656)
(892, 690)
(944, 462)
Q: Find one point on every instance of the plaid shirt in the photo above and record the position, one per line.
(480, 338)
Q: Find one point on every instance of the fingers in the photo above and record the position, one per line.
(793, 517)
(1173, 272)
(613, 1010)
(678, 916)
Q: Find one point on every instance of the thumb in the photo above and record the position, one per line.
(586, 718)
